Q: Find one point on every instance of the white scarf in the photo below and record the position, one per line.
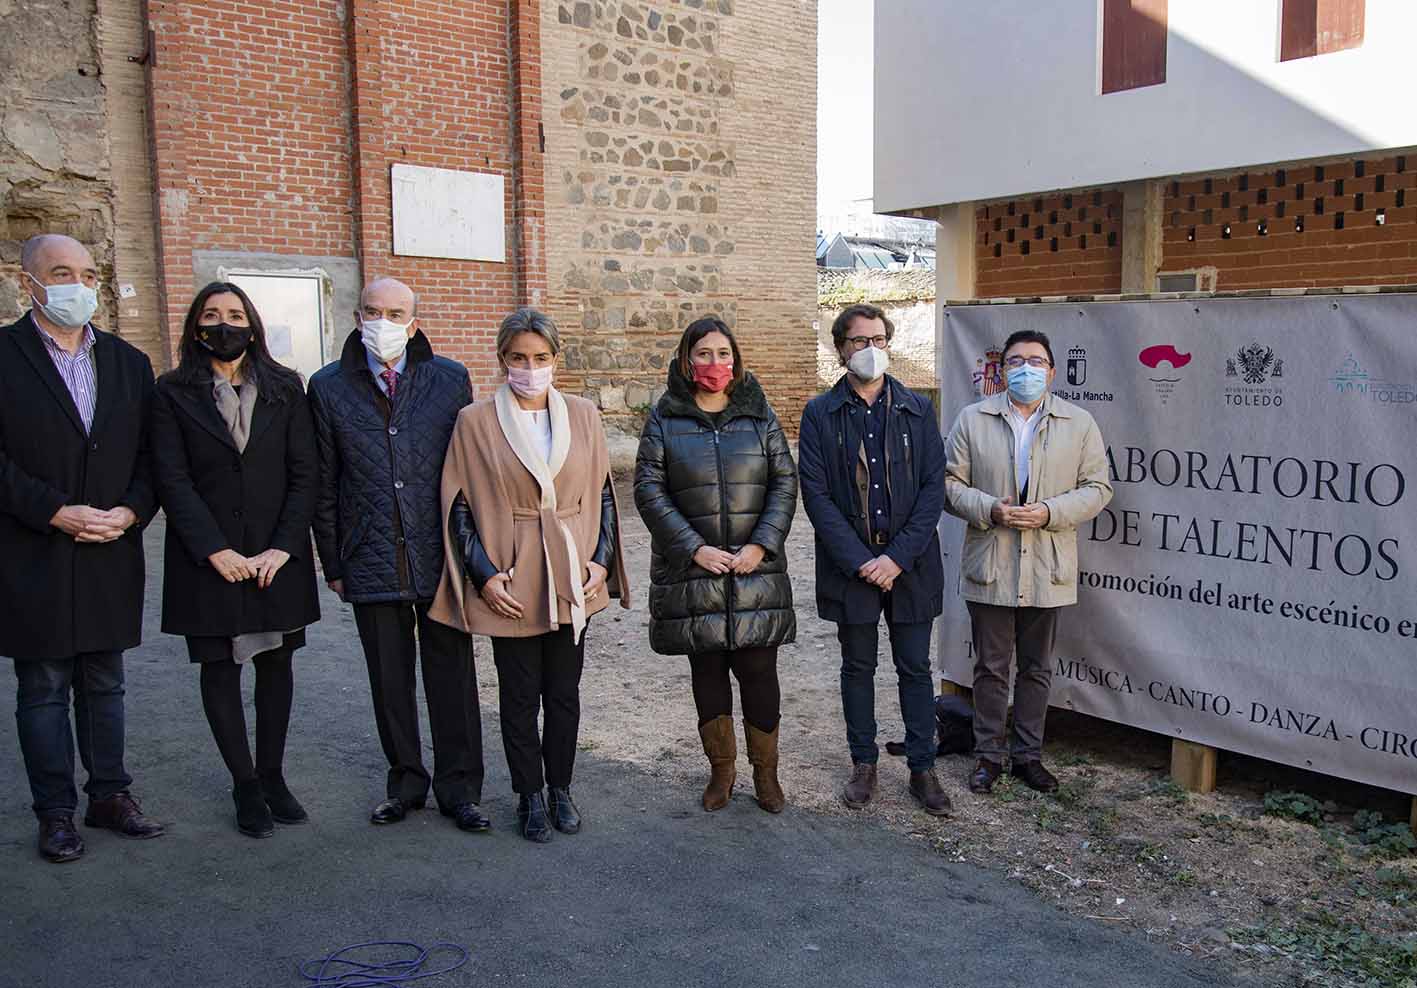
(524, 445)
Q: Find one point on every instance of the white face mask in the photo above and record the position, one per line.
(870, 363)
(69, 305)
(385, 340)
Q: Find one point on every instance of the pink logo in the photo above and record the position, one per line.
(1164, 353)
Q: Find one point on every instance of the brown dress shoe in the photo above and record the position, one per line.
(984, 775)
(59, 839)
(1034, 775)
(122, 815)
(926, 788)
(858, 791)
(721, 747)
(762, 752)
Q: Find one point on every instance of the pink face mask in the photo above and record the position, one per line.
(530, 383)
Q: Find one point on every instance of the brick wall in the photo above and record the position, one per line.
(677, 185)
(1059, 244)
(251, 130)
(1340, 223)
(276, 125)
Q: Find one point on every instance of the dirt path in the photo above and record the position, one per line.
(1208, 876)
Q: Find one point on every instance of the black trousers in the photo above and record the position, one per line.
(226, 712)
(756, 672)
(535, 675)
(450, 688)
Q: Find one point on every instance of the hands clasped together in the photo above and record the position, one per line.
(235, 567)
(496, 595)
(1028, 516)
(719, 561)
(86, 524)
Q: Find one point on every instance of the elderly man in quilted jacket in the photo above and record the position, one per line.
(383, 415)
(1024, 469)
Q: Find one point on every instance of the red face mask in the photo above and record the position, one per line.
(713, 377)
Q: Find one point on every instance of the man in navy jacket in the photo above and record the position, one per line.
(383, 415)
(872, 468)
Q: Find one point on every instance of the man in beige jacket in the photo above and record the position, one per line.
(1023, 469)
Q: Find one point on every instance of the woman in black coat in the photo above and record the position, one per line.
(716, 485)
(235, 466)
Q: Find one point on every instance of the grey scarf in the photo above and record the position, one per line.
(236, 408)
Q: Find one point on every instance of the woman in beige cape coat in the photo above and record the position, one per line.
(533, 551)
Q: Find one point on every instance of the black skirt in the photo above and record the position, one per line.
(217, 649)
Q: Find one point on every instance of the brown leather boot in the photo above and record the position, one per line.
(857, 793)
(762, 752)
(721, 746)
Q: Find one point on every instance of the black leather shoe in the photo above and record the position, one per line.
(253, 816)
(564, 815)
(121, 814)
(393, 810)
(285, 808)
(59, 839)
(926, 789)
(469, 817)
(985, 774)
(531, 818)
(1034, 775)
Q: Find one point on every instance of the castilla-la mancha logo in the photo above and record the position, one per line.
(1256, 372)
(1077, 366)
(989, 373)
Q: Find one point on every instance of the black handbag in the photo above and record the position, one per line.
(954, 728)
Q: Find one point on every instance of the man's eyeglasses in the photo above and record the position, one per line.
(859, 342)
(1013, 363)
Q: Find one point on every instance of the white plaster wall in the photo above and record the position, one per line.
(987, 100)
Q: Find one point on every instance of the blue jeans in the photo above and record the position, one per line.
(910, 648)
(42, 715)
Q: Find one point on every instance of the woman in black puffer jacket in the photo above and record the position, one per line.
(716, 485)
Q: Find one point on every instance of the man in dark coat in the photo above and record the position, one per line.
(384, 413)
(75, 493)
(872, 467)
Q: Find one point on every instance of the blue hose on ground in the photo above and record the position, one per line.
(337, 970)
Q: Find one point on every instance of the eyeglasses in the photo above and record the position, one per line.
(859, 342)
(1016, 362)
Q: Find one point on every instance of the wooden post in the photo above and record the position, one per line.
(948, 688)
(1193, 765)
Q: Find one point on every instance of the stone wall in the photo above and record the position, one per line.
(55, 175)
(908, 298)
(680, 177)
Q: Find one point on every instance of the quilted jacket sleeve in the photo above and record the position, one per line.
(781, 502)
(326, 519)
(666, 523)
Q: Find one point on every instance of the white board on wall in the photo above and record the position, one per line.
(440, 212)
(291, 307)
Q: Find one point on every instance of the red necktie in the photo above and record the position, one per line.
(391, 381)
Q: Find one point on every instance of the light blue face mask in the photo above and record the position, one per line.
(68, 305)
(1027, 384)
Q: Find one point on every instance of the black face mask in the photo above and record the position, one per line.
(224, 341)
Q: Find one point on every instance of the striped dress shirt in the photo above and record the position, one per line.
(77, 370)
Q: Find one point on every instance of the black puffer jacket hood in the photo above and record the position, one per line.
(725, 485)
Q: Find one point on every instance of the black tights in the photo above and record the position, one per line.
(756, 672)
(221, 699)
